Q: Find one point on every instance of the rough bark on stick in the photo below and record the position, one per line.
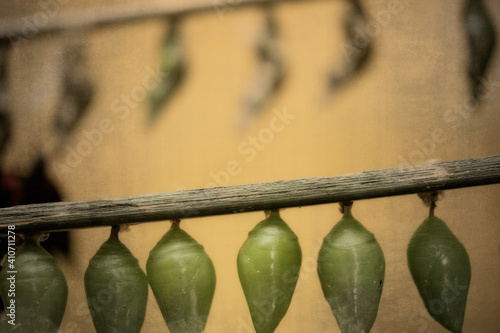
(253, 197)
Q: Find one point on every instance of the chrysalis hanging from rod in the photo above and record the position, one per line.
(481, 37)
(78, 91)
(270, 72)
(172, 66)
(356, 53)
(437, 259)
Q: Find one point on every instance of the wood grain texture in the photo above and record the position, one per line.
(253, 197)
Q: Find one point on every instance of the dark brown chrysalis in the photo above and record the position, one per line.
(78, 91)
(5, 124)
(270, 72)
(482, 39)
(173, 68)
(356, 52)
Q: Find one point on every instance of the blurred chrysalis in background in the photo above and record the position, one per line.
(172, 67)
(356, 51)
(482, 39)
(270, 71)
(77, 94)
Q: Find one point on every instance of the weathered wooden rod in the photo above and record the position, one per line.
(54, 18)
(253, 197)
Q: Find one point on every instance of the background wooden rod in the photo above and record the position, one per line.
(55, 18)
(253, 197)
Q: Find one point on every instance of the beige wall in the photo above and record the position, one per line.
(415, 78)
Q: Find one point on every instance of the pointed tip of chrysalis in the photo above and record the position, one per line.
(37, 237)
(115, 230)
(175, 224)
(345, 207)
(272, 212)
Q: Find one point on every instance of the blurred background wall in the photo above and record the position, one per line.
(405, 107)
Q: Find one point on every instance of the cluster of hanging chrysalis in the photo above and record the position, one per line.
(351, 268)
